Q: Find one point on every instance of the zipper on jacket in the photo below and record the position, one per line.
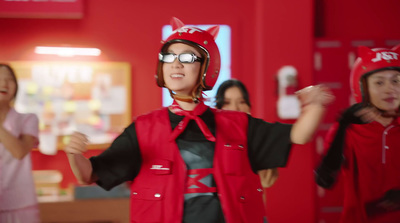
(384, 146)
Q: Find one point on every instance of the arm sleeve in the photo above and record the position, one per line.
(120, 162)
(269, 144)
(331, 162)
(31, 127)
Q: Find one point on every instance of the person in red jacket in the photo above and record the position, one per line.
(232, 95)
(364, 143)
(189, 162)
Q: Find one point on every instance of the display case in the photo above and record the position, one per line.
(89, 97)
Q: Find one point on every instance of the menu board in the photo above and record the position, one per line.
(89, 97)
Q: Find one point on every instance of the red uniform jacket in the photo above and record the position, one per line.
(371, 168)
(158, 190)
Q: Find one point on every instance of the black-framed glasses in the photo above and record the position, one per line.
(183, 57)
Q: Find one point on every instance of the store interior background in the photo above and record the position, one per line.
(266, 35)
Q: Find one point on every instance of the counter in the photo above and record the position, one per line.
(68, 210)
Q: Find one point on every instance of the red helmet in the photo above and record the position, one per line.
(368, 62)
(204, 40)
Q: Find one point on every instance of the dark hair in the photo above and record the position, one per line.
(8, 67)
(220, 97)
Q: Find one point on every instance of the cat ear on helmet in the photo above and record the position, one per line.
(213, 30)
(396, 48)
(364, 51)
(176, 23)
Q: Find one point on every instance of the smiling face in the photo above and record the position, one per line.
(181, 77)
(8, 85)
(234, 100)
(384, 89)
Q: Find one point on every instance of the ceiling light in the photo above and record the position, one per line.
(67, 51)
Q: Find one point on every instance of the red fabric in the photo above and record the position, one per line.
(200, 109)
(371, 168)
(194, 178)
(158, 197)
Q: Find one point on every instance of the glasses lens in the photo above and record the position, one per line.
(183, 57)
(167, 57)
(186, 58)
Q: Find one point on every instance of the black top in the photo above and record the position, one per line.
(268, 147)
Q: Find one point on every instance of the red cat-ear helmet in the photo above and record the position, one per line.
(204, 41)
(368, 62)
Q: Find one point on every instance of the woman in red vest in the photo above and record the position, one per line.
(364, 143)
(232, 95)
(188, 162)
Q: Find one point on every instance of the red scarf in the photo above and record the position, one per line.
(189, 115)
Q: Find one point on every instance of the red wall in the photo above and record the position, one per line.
(285, 38)
(360, 19)
(265, 36)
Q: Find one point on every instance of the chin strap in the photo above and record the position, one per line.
(185, 98)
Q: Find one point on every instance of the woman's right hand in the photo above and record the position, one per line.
(80, 165)
(358, 114)
(77, 144)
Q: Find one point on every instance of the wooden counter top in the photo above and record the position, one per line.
(65, 210)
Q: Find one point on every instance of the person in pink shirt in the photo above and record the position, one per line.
(18, 135)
